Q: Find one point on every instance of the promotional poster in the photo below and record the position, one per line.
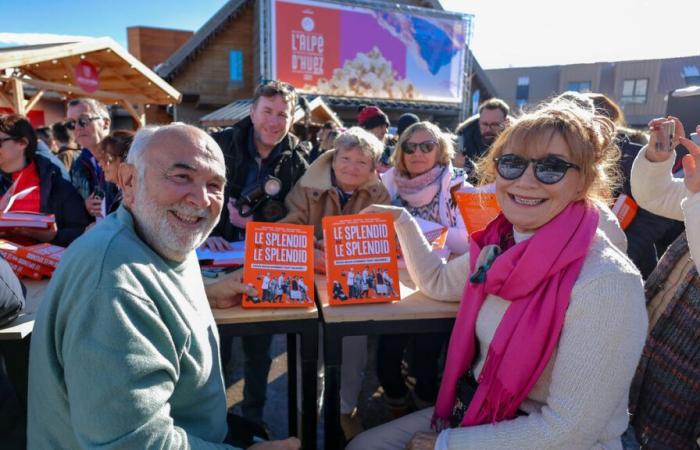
(361, 259)
(358, 51)
(279, 263)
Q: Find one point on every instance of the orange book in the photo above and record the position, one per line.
(45, 254)
(361, 259)
(279, 262)
(478, 209)
(625, 208)
(27, 263)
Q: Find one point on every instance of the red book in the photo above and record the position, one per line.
(361, 259)
(279, 263)
(46, 254)
(28, 264)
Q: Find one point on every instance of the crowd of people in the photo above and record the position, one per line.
(568, 329)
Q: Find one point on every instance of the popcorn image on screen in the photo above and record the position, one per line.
(368, 75)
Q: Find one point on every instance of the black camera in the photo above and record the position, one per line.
(257, 199)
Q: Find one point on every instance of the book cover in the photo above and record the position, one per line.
(279, 263)
(46, 254)
(361, 259)
(33, 267)
(478, 208)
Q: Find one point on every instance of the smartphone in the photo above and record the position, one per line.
(695, 138)
(665, 135)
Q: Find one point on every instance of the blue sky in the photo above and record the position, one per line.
(506, 32)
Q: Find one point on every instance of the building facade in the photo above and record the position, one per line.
(640, 87)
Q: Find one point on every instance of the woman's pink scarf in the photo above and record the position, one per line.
(536, 276)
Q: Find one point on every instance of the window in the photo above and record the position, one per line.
(634, 91)
(476, 99)
(691, 75)
(579, 86)
(235, 61)
(522, 91)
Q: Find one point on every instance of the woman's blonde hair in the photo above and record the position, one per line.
(590, 139)
(445, 148)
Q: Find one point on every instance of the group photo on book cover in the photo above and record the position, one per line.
(279, 264)
(361, 259)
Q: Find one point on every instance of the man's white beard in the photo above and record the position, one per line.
(168, 241)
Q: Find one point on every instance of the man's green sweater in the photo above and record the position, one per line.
(124, 352)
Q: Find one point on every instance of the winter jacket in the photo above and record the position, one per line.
(60, 198)
(314, 196)
(289, 165)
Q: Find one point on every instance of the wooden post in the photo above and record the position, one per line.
(18, 96)
(34, 100)
(136, 112)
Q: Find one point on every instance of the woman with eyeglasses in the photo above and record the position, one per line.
(20, 164)
(552, 316)
(115, 148)
(422, 180)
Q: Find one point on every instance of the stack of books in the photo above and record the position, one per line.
(31, 261)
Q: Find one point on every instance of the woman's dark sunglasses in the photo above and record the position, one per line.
(82, 121)
(548, 170)
(410, 148)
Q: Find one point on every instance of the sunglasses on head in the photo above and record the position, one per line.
(410, 148)
(83, 121)
(548, 170)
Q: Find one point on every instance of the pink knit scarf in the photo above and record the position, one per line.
(536, 276)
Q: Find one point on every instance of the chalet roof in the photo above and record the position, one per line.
(122, 77)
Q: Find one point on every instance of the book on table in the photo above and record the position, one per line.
(233, 257)
(361, 262)
(279, 264)
(32, 261)
(21, 219)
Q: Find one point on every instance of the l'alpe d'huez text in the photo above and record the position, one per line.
(362, 240)
(280, 248)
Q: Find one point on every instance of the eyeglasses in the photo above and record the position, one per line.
(83, 121)
(410, 148)
(548, 170)
(492, 125)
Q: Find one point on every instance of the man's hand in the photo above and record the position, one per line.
(654, 155)
(422, 441)
(395, 211)
(93, 204)
(287, 444)
(691, 163)
(216, 243)
(235, 217)
(226, 292)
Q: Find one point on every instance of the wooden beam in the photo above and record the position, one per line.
(139, 116)
(33, 101)
(102, 95)
(18, 96)
(7, 99)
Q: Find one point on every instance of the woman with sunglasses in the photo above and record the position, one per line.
(21, 164)
(552, 318)
(422, 181)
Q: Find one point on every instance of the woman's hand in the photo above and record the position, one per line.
(422, 441)
(227, 292)
(654, 155)
(93, 204)
(691, 163)
(395, 211)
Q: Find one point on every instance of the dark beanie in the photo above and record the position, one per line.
(405, 121)
(371, 116)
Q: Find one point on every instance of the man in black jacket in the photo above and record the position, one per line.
(256, 148)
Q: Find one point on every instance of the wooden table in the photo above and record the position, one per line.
(415, 313)
(238, 321)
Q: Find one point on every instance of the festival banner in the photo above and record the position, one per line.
(369, 52)
(279, 264)
(361, 259)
